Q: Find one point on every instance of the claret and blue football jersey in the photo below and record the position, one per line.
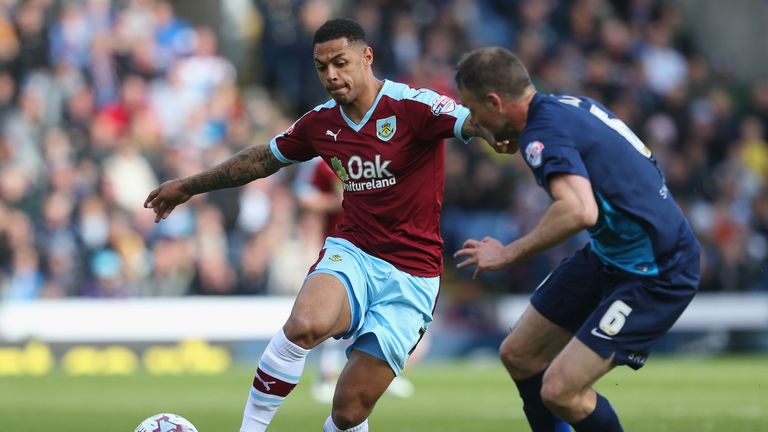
(640, 228)
(392, 169)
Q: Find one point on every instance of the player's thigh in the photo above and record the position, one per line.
(532, 344)
(398, 316)
(361, 383)
(321, 310)
(559, 306)
(574, 370)
(572, 291)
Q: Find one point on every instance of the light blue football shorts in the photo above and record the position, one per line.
(390, 309)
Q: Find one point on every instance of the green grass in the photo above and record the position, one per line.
(680, 395)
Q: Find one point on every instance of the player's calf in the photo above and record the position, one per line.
(351, 406)
(602, 419)
(348, 417)
(586, 410)
(330, 426)
(279, 371)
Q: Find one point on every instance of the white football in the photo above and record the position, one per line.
(165, 422)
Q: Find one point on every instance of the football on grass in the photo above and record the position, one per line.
(165, 423)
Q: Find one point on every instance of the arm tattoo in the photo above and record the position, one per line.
(247, 165)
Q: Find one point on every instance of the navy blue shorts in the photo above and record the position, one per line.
(613, 311)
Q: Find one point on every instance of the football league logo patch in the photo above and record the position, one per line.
(533, 153)
(385, 128)
(443, 104)
(290, 129)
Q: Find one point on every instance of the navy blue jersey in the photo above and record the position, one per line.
(640, 228)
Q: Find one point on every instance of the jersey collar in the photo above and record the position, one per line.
(357, 126)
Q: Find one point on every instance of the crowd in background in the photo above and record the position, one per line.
(100, 101)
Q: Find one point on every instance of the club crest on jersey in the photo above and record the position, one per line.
(339, 169)
(335, 258)
(533, 153)
(386, 127)
(443, 104)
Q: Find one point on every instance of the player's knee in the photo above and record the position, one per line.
(350, 407)
(555, 393)
(516, 360)
(304, 331)
(349, 416)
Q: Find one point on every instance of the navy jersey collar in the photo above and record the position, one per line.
(537, 97)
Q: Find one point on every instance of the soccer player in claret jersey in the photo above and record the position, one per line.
(377, 278)
(319, 190)
(608, 303)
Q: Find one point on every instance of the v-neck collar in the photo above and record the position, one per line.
(357, 126)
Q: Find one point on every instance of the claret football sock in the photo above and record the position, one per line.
(602, 419)
(540, 418)
(278, 373)
(329, 426)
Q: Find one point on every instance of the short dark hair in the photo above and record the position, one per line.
(339, 28)
(493, 70)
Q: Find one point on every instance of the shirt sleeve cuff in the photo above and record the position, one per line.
(278, 154)
(461, 117)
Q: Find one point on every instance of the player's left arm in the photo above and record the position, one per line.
(574, 209)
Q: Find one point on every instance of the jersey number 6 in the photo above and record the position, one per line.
(615, 317)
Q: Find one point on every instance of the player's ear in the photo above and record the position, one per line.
(495, 101)
(368, 56)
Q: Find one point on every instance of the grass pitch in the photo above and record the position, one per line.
(668, 394)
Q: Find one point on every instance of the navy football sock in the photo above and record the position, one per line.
(602, 419)
(539, 416)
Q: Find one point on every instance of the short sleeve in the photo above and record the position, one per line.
(549, 151)
(435, 116)
(292, 145)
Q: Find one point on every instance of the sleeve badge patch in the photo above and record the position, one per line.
(443, 105)
(533, 153)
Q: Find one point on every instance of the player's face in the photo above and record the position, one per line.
(341, 67)
(490, 113)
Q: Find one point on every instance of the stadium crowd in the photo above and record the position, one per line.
(100, 101)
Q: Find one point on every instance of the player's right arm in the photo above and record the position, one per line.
(574, 208)
(247, 165)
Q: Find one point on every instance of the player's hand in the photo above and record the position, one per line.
(486, 254)
(165, 198)
(506, 146)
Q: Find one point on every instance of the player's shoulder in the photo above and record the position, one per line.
(549, 111)
(555, 103)
(424, 96)
(316, 116)
(567, 105)
(551, 120)
(323, 109)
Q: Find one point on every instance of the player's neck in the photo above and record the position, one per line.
(520, 116)
(357, 109)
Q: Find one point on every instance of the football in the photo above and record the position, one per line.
(165, 422)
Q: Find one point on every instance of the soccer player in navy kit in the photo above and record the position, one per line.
(377, 277)
(608, 303)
